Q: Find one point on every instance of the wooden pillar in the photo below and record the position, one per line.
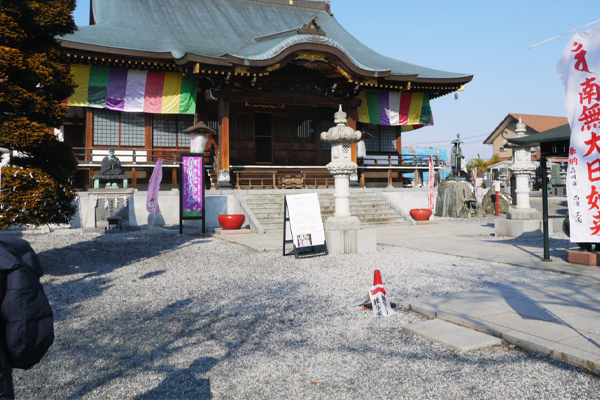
(174, 173)
(390, 178)
(223, 134)
(351, 122)
(399, 147)
(89, 122)
(134, 177)
(88, 143)
(90, 178)
(416, 177)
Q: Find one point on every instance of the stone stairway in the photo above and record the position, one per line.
(370, 207)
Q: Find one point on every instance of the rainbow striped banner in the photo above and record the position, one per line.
(409, 110)
(131, 90)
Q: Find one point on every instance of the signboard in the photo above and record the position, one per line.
(191, 188)
(578, 68)
(381, 306)
(303, 213)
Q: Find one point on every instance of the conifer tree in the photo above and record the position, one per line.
(34, 82)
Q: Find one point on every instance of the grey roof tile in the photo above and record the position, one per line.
(220, 28)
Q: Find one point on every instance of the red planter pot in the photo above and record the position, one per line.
(420, 214)
(232, 221)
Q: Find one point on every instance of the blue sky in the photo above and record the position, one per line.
(488, 39)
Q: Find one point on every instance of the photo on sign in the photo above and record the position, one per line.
(304, 240)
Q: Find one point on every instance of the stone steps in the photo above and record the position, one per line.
(370, 208)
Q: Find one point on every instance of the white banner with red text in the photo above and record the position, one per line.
(578, 68)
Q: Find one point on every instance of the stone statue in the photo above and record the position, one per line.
(111, 164)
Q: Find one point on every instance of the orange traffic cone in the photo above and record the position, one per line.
(378, 287)
(377, 278)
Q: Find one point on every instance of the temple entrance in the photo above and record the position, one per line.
(263, 138)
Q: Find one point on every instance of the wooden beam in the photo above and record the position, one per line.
(332, 102)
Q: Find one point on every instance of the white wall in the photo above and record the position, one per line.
(407, 199)
(217, 202)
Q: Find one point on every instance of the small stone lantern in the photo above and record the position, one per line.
(521, 220)
(522, 168)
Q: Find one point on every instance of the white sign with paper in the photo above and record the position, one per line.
(306, 225)
(379, 301)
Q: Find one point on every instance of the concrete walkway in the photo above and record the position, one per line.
(559, 318)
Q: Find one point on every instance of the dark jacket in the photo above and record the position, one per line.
(26, 323)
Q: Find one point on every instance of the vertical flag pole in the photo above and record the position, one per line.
(545, 208)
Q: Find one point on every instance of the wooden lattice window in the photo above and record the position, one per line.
(114, 128)
(384, 141)
(167, 130)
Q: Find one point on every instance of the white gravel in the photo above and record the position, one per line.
(162, 316)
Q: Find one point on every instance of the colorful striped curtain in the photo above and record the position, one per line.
(406, 109)
(132, 90)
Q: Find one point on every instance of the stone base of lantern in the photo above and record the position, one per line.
(351, 241)
(521, 227)
(523, 213)
(342, 223)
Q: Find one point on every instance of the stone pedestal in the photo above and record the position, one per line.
(350, 241)
(109, 203)
(521, 228)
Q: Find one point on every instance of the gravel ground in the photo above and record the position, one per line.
(162, 316)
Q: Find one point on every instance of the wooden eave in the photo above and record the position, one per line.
(313, 48)
(193, 64)
(100, 51)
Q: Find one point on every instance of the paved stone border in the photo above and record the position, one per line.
(522, 340)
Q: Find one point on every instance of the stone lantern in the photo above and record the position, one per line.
(341, 167)
(342, 231)
(522, 168)
(521, 220)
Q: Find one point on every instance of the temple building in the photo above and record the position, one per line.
(266, 75)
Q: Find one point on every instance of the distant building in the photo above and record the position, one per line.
(506, 129)
(428, 151)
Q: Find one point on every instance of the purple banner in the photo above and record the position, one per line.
(117, 86)
(154, 187)
(191, 180)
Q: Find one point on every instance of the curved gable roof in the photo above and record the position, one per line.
(232, 32)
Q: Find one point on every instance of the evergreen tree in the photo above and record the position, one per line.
(34, 82)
